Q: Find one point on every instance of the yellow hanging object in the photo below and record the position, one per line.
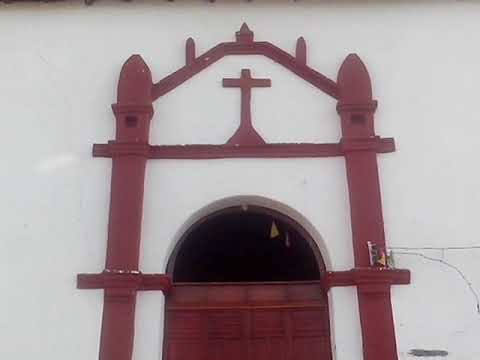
(382, 260)
(274, 231)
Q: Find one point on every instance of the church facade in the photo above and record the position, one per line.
(273, 180)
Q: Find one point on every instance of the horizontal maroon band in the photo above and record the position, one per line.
(124, 280)
(276, 150)
(371, 276)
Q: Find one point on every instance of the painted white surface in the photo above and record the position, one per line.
(58, 69)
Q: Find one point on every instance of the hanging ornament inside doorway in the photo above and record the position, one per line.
(287, 240)
(274, 232)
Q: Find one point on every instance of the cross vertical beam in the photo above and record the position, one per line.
(246, 133)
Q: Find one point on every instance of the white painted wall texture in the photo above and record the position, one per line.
(59, 65)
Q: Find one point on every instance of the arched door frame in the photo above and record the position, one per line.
(130, 151)
(252, 209)
(186, 294)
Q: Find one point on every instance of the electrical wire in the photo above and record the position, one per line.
(469, 284)
(435, 248)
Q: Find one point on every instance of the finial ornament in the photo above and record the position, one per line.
(135, 83)
(301, 51)
(244, 35)
(354, 81)
(190, 51)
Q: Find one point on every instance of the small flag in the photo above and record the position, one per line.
(274, 231)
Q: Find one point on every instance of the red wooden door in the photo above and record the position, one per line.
(247, 321)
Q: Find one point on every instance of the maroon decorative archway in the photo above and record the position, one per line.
(130, 151)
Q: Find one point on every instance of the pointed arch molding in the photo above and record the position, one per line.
(130, 151)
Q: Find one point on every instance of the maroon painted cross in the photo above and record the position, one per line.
(246, 133)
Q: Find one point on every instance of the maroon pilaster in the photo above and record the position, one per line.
(133, 113)
(356, 109)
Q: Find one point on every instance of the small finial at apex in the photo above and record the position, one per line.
(244, 34)
(244, 28)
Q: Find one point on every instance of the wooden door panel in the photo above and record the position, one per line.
(185, 325)
(306, 349)
(226, 335)
(226, 349)
(225, 325)
(277, 321)
(185, 350)
(268, 335)
(308, 323)
(268, 349)
(266, 324)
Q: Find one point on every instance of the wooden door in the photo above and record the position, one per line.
(247, 321)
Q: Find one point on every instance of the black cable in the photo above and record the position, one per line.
(435, 248)
(469, 284)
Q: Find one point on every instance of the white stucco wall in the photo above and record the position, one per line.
(59, 66)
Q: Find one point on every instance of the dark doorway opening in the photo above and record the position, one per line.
(250, 244)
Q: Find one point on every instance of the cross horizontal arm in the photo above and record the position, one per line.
(246, 83)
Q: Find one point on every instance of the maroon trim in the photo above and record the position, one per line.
(121, 278)
(130, 281)
(245, 142)
(275, 150)
(366, 277)
(356, 109)
(131, 149)
(245, 46)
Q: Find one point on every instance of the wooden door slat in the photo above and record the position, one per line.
(281, 321)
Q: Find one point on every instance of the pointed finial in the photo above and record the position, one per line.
(355, 104)
(190, 51)
(301, 51)
(135, 83)
(244, 34)
(354, 82)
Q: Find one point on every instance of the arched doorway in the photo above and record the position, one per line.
(246, 286)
